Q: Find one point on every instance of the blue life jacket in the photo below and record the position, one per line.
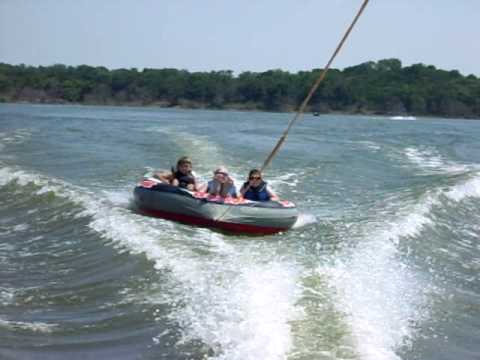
(184, 180)
(257, 193)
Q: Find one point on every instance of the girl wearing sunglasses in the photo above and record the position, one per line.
(256, 189)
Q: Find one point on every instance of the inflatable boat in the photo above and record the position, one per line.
(162, 200)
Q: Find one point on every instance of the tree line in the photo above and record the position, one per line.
(383, 87)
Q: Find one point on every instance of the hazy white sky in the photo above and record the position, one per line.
(249, 35)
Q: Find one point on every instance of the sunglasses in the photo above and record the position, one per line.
(255, 178)
(221, 173)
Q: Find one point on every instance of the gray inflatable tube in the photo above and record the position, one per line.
(197, 208)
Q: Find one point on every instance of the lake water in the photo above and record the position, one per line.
(383, 263)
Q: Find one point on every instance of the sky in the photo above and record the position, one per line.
(248, 35)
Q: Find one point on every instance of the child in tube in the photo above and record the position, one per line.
(221, 184)
(182, 176)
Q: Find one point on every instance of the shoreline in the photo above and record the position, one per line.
(229, 107)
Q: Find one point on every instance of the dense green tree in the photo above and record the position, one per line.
(383, 87)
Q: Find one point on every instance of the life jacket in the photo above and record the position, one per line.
(215, 187)
(256, 193)
(184, 180)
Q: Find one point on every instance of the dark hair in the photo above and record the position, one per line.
(184, 160)
(253, 172)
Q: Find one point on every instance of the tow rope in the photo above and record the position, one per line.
(312, 90)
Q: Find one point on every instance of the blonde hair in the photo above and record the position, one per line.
(221, 169)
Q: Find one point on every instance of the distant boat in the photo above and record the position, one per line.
(399, 117)
(316, 113)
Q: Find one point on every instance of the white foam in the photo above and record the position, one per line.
(23, 178)
(18, 136)
(7, 175)
(237, 306)
(398, 117)
(235, 301)
(41, 327)
(119, 197)
(246, 316)
(371, 145)
(7, 296)
(430, 160)
(288, 179)
(20, 227)
(304, 219)
(379, 294)
(470, 188)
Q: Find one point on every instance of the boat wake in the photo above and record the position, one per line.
(383, 296)
(241, 298)
(430, 161)
(305, 219)
(237, 298)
